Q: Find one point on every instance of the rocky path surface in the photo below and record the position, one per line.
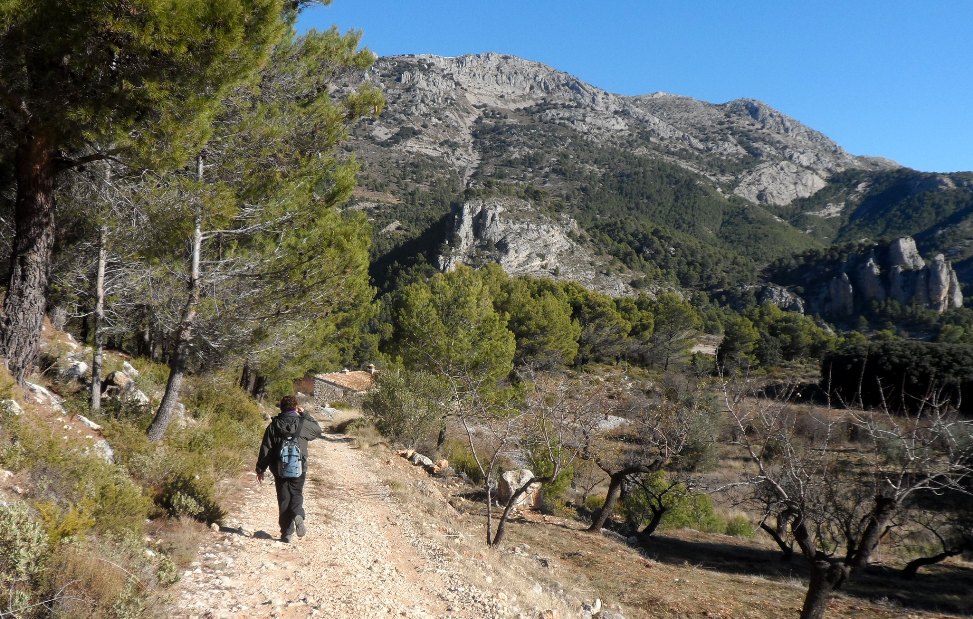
(363, 556)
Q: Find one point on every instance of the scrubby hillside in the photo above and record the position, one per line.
(95, 521)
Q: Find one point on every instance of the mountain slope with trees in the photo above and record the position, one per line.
(685, 192)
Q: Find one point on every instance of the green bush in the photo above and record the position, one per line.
(739, 526)
(405, 406)
(180, 471)
(684, 509)
(191, 497)
(461, 459)
(552, 494)
(696, 512)
(75, 489)
(24, 552)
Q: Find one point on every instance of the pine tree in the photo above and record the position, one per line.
(81, 80)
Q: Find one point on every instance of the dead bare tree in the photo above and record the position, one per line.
(838, 502)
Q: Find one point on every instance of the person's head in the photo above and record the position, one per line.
(288, 403)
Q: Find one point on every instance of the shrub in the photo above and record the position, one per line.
(23, 556)
(739, 525)
(461, 459)
(694, 512)
(191, 497)
(76, 490)
(104, 578)
(552, 494)
(405, 406)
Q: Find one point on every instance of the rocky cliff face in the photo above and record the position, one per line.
(898, 273)
(745, 146)
(512, 233)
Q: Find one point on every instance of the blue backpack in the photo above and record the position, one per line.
(291, 464)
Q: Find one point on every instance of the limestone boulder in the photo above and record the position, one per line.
(130, 369)
(781, 297)
(75, 370)
(117, 381)
(420, 460)
(514, 480)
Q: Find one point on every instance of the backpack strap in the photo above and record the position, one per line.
(300, 426)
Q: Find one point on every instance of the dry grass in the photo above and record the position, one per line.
(180, 539)
(684, 574)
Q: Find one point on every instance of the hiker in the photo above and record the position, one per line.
(284, 451)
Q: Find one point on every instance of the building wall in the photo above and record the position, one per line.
(326, 394)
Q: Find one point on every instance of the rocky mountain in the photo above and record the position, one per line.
(745, 146)
(657, 188)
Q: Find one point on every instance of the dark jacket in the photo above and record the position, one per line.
(280, 426)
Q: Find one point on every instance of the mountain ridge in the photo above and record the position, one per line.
(702, 194)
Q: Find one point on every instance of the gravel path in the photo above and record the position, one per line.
(362, 555)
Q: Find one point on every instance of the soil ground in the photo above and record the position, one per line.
(363, 555)
(386, 540)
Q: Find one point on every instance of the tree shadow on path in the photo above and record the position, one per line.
(939, 588)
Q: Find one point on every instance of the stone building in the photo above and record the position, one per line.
(346, 386)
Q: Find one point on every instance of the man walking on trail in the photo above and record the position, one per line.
(284, 452)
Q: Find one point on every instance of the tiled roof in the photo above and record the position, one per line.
(354, 381)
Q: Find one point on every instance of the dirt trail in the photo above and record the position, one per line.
(362, 555)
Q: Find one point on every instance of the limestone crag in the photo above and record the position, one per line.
(523, 241)
(781, 297)
(434, 104)
(897, 272)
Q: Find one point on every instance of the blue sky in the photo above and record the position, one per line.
(889, 78)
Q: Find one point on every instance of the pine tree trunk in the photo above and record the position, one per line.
(614, 490)
(246, 378)
(259, 390)
(180, 345)
(99, 318)
(30, 259)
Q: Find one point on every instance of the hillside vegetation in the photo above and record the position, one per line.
(213, 206)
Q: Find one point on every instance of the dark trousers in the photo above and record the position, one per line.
(290, 502)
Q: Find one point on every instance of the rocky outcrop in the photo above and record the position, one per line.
(841, 296)
(511, 482)
(903, 253)
(781, 297)
(897, 272)
(433, 104)
(523, 241)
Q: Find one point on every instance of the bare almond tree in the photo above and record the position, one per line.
(656, 430)
(836, 500)
(561, 412)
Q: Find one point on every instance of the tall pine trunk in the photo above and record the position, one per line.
(180, 345)
(30, 259)
(98, 344)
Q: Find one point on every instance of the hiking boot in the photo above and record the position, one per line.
(299, 525)
(286, 539)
